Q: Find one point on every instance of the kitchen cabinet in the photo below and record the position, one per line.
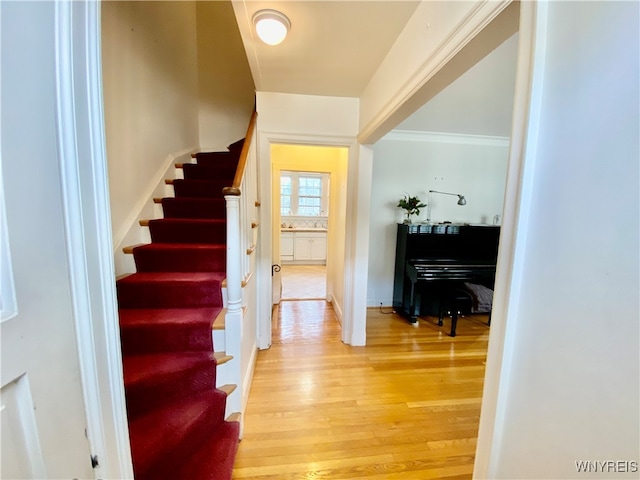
(303, 247)
(310, 246)
(286, 246)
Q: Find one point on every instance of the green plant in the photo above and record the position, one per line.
(411, 204)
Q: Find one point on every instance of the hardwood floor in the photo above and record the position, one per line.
(406, 406)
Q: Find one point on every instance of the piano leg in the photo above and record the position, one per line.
(454, 321)
(414, 304)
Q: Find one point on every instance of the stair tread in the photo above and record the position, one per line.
(178, 246)
(222, 357)
(202, 221)
(170, 290)
(212, 152)
(158, 433)
(129, 248)
(234, 417)
(173, 277)
(237, 145)
(219, 321)
(159, 330)
(144, 369)
(215, 457)
(198, 181)
(199, 200)
(131, 317)
(228, 389)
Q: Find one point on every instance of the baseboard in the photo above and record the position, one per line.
(336, 308)
(246, 385)
(248, 379)
(376, 302)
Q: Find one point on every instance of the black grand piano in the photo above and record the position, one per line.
(433, 261)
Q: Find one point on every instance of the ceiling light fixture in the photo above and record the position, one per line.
(271, 26)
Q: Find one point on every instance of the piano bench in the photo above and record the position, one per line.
(458, 303)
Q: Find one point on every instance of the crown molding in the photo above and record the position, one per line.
(439, 137)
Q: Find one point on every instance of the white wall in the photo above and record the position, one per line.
(569, 384)
(226, 92)
(415, 163)
(308, 115)
(150, 81)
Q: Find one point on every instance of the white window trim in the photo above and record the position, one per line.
(295, 189)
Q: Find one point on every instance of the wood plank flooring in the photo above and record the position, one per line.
(406, 406)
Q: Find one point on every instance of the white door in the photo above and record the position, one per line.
(43, 412)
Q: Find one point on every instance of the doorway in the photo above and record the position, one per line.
(304, 210)
(309, 207)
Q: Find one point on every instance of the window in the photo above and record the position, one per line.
(285, 195)
(304, 194)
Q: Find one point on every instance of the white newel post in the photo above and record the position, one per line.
(234, 282)
(233, 317)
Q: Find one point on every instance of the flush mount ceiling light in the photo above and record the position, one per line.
(271, 26)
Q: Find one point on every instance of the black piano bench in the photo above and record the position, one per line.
(458, 303)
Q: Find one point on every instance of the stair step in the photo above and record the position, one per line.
(162, 438)
(234, 417)
(214, 459)
(187, 230)
(156, 330)
(173, 207)
(219, 322)
(209, 171)
(236, 146)
(228, 388)
(222, 357)
(170, 290)
(228, 165)
(129, 249)
(160, 378)
(198, 188)
(180, 257)
(216, 158)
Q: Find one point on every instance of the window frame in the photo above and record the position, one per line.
(295, 196)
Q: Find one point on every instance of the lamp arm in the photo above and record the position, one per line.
(461, 199)
(444, 193)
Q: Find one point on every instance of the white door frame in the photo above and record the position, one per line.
(517, 206)
(352, 324)
(84, 182)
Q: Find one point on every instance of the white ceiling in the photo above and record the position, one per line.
(334, 47)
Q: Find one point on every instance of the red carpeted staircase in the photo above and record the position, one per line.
(177, 425)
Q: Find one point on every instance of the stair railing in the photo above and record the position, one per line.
(242, 237)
